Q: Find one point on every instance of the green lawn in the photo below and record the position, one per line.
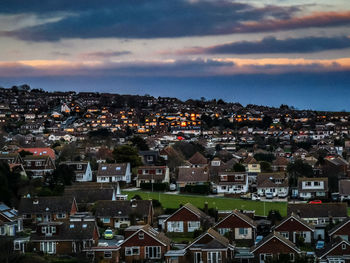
(221, 203)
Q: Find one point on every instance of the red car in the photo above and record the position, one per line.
(315, 202)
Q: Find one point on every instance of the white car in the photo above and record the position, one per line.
(255, 197)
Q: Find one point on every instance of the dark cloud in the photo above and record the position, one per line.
(104, 54)
(273, 45)
(138, 19)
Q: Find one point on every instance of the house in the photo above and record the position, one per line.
(10, 158)
(192, 175)
(152, 174)
(38, 166)
(241, 228)
(344, 189)
(280, 164)
(46, 209)
(341, 230)
(293, 227)
(232, 183)
(319, 215)
(144, 243)
(198, 160)
(106, 252)
(252, 166)
(300, 154)
(65, 237)
(82, 170)
(149, 157)
(210, 247)
(337, 251)
(187, 218)
(10, 222)
(114, 172)
(275, 246)
(313, 187)
(275, 184)
(123, 213)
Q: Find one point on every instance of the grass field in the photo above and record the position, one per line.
(221, 203)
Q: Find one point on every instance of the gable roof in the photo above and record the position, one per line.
(218, 241)
(266, 180)
(198, 158)
(277, 236)
(240, 215)
(331, 246)
(297, 218)
(159, 236)
(192, 209)
(344, 187)
(318, 210)
(339, 226)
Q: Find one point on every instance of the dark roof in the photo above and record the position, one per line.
(108, 208)
(198, 158)
(87, 196)
(111, 169)
(77, 230)
(279, 237)
(193, 174)
(217, 242)
(160, 236)
(296, 217)
(268, 180)
(330, 245)
(344, 187)
(318, 210)
(55, 204)
(339, 226)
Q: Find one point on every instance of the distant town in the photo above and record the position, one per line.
(102, 177)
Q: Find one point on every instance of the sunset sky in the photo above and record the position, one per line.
(264, 52)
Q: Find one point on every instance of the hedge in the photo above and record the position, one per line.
(156, 186)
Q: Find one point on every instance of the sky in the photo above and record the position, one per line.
(266, 52)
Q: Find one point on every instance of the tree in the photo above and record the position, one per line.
(127, 154)
(298, 169)
(139, 143)
(274, 216)
(265, 167)
(239, 167)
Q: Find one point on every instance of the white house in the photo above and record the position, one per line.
(275, 184)
(114, 172)
(232, 183)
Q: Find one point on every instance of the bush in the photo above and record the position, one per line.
(197, 189)
(156, 186)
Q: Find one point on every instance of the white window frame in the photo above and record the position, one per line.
(154, 250)
(105, 221)
(107, 254)
(131, 251)
(214, 257)
(245, 231)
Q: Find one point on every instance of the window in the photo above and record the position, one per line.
(264, 257)
(175, 226)
(61, 215)
(243, 231)
(159, 171)
(224, 178)
(152, 252)
(141, 235)
(37, 163)
(149, 158)
(131, 251)
(145, 171)
(17, 245)
(107, 254)
(285, 234)
(317, 184)
(197, 257)
(343, 246)
(106, 220)
(104, 168)
(223, 231)
(193, 225)
(48, 247)
(79, 166)
(214, 257)
(291, 256)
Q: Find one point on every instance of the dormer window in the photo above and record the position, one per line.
(118, 168)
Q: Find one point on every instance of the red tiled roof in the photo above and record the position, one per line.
(40, 152)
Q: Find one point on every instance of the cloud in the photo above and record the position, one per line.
(103, 54)
(170, 68)
(269, 45)
(139, 19)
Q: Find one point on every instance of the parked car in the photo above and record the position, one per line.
(172, 187)
(315, 202)
(269, 195)
(320, 244)
(335, 196)
(258, 239)
(108, 234)
(255, 197)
